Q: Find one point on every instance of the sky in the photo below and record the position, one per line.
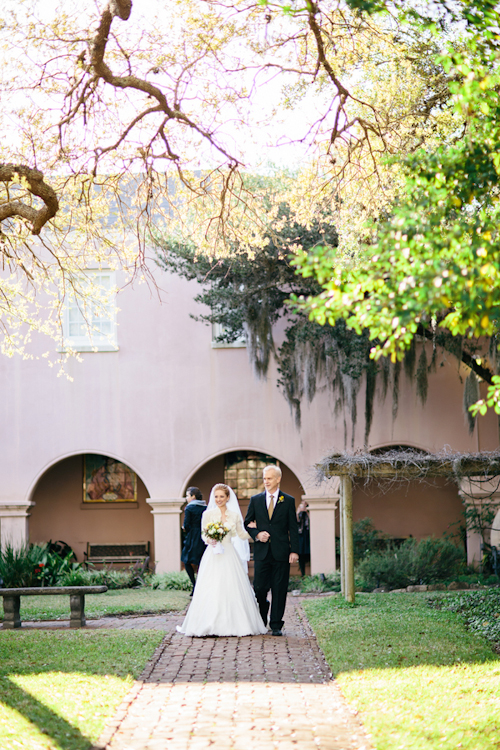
(279, 139)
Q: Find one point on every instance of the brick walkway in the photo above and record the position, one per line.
(234, 694)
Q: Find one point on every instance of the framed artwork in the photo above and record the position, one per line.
(106, 480)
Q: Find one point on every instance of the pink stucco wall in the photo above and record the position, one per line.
(167, 403)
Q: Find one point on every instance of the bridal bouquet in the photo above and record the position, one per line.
(216, 531)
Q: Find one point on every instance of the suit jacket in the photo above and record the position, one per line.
(282, 526)
(194, 546)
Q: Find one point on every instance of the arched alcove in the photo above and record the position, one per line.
(242, 471)
(66, 508)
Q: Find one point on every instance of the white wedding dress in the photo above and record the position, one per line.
(223, 602)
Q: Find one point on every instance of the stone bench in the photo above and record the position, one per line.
(12, 602)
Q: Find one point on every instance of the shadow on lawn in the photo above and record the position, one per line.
(47, 721)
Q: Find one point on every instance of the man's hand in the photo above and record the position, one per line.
(294, 558)
(263, 536)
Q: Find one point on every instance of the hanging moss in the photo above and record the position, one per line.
(422, 375)
(248, 293)
(385, 370)
(371, 385)
(396, 372)
(410, 360)
(471, 395)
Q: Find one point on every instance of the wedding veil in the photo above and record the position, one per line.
(241, 546)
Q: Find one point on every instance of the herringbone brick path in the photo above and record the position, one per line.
(236, 694)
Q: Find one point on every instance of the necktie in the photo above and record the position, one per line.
(271, 506)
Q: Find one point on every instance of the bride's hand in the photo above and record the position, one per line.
(252, 525)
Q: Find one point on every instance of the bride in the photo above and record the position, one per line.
(223, 600)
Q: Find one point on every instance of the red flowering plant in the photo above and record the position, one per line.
(51, 568)
(34, 565)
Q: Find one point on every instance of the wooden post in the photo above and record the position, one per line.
(348, 541)
(341, 536)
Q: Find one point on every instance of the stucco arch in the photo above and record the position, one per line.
(68, 454)
(240, 447)
(403, 443)
(58, 510)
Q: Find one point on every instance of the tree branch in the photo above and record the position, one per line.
(33, 180)
(102, 70)
(483, 372)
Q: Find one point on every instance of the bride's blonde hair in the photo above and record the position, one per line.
(223, 487)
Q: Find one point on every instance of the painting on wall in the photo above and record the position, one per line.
(106, 480)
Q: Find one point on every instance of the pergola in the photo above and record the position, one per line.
(391, 466)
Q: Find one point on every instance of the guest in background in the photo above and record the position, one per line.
(304, 539)
(194, 546)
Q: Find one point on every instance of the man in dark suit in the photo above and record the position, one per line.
(276, 545)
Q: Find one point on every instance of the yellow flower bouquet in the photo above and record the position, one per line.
(216, 531)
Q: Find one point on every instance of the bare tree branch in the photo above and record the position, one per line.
(122, 8)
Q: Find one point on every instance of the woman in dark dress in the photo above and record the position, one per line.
(194, 546)
(304, 538)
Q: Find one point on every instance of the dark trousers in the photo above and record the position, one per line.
(303, 560)
(273, 575)
(190, 572)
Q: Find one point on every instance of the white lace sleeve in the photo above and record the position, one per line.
(240, 531)
(205, 520)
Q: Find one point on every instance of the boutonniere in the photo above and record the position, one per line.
(280, 499)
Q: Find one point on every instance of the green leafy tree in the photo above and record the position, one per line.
(98, 94)
(429, 267)
(102, 95)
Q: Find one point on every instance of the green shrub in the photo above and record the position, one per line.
(19, 566)
(320, 584)
(33, 565)
(315, 584)
(366, 538)
(174, 581)
(79, 576)
(479, 609)
(39, 565)
(428, 561)
(52, 567)
(113, 579)
(437, 560)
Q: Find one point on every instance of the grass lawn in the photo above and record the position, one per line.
(58, 689)
(419, 679)
(116, 602)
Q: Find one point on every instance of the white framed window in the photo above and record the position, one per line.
(217, 330)
(90, 326)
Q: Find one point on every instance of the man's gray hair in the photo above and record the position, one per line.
(274, 468)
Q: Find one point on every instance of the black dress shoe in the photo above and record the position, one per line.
(277, 632)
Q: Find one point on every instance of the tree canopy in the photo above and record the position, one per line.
(396, 140)
(432, 261)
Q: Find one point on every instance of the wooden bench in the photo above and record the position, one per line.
(125, 552)
(12, 602)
